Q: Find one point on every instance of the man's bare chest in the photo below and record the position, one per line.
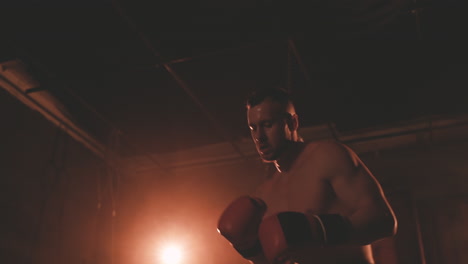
(296, 191)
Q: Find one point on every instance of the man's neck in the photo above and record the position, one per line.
(285, 161)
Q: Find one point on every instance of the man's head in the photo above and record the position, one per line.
(272, 121)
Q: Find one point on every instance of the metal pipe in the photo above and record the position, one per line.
(417, 222)
(403, 131)
(113, 127)
(301, 64)
(74, 131)
(214, 53)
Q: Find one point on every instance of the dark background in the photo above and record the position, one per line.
(354, 63)
(172, 78)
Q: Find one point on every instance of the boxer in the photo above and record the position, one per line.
(322, 205)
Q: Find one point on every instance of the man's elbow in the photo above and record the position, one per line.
(387, 223)
(385, 227)
(393, 225)
(389, 226)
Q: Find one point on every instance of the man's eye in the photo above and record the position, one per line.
(251, 128)
(268, 124)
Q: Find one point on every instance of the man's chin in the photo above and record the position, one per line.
(267, 158)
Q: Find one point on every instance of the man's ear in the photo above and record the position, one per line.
(293, 122)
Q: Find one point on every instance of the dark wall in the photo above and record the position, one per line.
(58, 206)
(49, 193)
(427, 187)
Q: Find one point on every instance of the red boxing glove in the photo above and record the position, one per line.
(284, 234)
(239, 224)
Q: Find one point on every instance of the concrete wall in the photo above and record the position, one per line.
(57, 203)
(49, 193)
(428, 189)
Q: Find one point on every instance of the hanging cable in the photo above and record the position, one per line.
(299, 61)
(65, 180)
(289, 82)
(101, 188)
(56, 165)
(113, 176)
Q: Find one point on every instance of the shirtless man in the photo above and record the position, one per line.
(321, 206)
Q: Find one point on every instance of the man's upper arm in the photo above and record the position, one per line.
(358, 193)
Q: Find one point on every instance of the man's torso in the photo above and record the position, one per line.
(301, 189)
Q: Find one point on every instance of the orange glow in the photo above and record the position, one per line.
(171, 254)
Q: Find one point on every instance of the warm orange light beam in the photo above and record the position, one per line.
(171, 254)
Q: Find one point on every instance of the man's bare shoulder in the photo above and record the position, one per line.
(330, 155)
(326, 146)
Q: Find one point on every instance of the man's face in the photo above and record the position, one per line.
(269, 130)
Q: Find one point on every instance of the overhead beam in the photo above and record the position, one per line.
(185, 87)
(16, 81)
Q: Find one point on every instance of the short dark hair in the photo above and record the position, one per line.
(279, 95)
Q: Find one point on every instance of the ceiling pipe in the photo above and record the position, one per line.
(105, 152)
(178, 79)
(13, 80)
(214, 53)
(411, 133)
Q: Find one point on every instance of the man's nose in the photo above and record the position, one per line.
(259, 136)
